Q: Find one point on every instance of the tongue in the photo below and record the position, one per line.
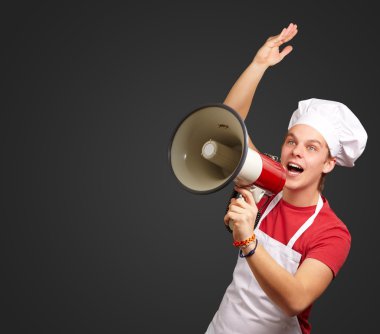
(295, 170)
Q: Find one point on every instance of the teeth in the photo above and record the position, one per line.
(294, 165)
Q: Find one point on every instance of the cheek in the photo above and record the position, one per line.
(284, 152)
(316, 163)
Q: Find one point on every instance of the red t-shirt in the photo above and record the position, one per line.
(327, 239)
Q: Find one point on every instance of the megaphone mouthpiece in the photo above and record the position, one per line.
(221, 155)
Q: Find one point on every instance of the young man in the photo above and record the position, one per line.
(299, 244)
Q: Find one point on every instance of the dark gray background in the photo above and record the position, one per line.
(98, 236)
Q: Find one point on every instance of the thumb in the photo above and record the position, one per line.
(287, 49)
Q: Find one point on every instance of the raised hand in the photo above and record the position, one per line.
(269, 54)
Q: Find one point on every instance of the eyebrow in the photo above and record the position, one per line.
(308, 141)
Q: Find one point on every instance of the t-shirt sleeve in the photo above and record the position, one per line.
(331, 247)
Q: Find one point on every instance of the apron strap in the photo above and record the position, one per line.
(271, 205)
(303, 228)
(307, 224)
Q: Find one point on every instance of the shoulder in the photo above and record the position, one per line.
(328, 239)
(328, 220)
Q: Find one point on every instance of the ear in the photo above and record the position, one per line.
(329, 165)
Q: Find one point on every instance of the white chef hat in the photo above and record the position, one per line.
(342, 130)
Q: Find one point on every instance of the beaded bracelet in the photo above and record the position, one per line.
(244, 242)
(250, 252)
(248, 244)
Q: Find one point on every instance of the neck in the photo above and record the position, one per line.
(300, 198)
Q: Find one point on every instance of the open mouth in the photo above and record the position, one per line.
(294, 168)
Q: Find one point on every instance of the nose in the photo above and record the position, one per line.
(297, 151)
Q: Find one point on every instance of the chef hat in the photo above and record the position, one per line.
(343, 132)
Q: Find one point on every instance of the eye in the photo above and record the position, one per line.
(312, 148)
(290, 142)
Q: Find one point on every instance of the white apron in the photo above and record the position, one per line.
(245, 308)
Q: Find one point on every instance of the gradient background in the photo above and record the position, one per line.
(97, 235)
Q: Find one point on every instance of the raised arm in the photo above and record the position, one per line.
(240, 96)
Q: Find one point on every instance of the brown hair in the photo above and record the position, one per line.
(322, 180)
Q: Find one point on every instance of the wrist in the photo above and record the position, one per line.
(249, 250)
(259, 66)
(246, 249)
(245, 242)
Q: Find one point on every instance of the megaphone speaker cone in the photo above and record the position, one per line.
(208, 148)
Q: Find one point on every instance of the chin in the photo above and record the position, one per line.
(290, 188)
(290, 185)
(294, 186)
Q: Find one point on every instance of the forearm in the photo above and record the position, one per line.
(282, 288)
(293, 293)
(242, 92)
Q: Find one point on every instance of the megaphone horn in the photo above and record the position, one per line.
(209, 149)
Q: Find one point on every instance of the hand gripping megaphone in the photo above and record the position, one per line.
(209, 149)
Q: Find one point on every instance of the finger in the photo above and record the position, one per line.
(238, 204)
(290, 35)
(290, 31)
(287, 29)
(290, 27)
(247, 195)
(226, 220)
(230, 216)
(271, 38)
(286, 51)
(273, 41)
(238, 209)
(241, 203)
(233, 202)
(282, 33)
(286, 35)
(294, 28)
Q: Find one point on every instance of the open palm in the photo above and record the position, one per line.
(269, 54)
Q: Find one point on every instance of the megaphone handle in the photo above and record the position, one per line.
(257, 193)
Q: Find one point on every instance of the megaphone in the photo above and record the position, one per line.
(209, 149)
